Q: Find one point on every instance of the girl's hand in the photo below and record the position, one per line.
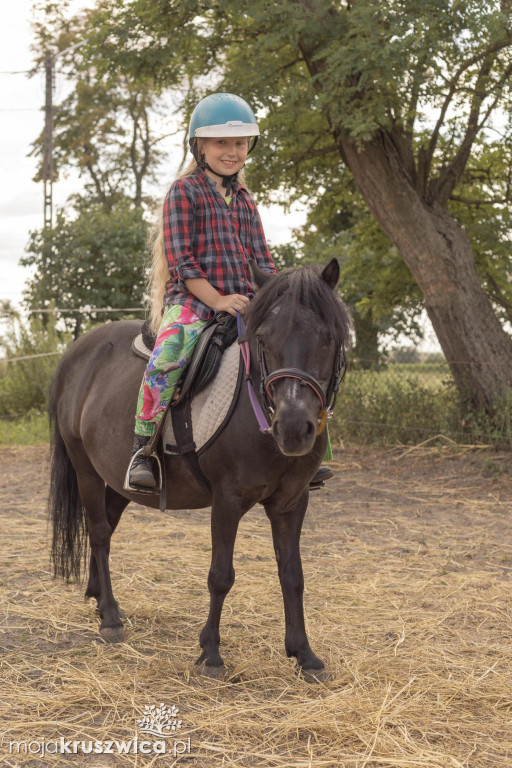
(232, 303)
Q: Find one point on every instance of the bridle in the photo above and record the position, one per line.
(326, 397)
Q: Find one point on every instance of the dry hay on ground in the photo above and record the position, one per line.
(407, 561)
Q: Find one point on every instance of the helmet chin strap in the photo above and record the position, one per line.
(227, 181)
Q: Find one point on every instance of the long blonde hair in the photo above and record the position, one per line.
(159, 270)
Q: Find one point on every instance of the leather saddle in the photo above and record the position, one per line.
(217, 335)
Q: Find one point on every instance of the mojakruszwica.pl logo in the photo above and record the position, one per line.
(161, 722)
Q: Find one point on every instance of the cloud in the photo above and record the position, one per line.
(27, 205)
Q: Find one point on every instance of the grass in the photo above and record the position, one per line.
(406, 600)
(31, 429)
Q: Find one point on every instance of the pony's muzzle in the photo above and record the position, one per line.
(294, 433)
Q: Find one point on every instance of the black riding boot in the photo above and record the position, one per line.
(323, 473)
(141, 471)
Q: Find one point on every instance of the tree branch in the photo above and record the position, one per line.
(425, 156)
(442, 187)
(498, 295)
(88, 150)
(474, 201)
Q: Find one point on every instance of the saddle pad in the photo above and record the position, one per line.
(211, 406)
(140, 348)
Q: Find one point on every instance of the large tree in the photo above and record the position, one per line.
(406, 89)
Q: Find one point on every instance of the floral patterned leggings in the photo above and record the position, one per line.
(174, 345)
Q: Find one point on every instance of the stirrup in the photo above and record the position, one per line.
(127, 486)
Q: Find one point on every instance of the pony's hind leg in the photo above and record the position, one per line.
(286, 530)
(226, 515)
(115, 504)
(92, 494)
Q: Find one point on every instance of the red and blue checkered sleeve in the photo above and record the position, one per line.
(179, 214)
(259, 246)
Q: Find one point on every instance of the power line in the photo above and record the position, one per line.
(27, 357)
(83, 310)
(33, 72)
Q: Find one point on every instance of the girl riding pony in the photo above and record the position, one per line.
(210, 229)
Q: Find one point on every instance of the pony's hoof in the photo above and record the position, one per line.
(314, 675)
(214, 673)
(113, 634)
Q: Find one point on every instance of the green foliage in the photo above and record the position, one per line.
(375, 282)
(395, 406)
(496, 427)
(94, 259)
(32, 429)
(409, 403)
(482, 205)
(25, 385)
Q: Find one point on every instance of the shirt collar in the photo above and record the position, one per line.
(206, 180)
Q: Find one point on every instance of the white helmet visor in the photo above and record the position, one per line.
(231, 128)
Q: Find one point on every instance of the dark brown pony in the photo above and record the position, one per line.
(298, 321)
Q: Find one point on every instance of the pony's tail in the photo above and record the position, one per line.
(65, 508)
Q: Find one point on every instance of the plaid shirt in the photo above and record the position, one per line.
(205, 237)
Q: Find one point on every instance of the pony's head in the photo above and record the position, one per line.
(300, 326)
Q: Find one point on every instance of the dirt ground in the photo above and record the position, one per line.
(408, 563)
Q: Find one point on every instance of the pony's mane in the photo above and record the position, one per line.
(295, 290)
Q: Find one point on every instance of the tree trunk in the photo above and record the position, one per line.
(367, 340)
(439, 255)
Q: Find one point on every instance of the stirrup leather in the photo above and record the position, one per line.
(127, 486)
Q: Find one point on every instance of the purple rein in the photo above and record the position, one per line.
(246, 355)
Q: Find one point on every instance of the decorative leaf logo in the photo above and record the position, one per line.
(159, 721)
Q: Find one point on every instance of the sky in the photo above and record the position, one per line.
(21, 121)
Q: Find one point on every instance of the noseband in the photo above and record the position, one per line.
(327, 398)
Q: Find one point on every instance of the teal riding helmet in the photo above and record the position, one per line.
(222, 114)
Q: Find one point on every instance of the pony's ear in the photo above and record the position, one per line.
(259, 278)
(331, 273)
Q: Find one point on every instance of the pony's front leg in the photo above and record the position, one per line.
(286, 530)
(226, 515)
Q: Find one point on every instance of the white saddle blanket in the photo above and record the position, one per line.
(211, 406)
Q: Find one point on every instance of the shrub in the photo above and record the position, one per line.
(411, 403)
(32, 429)
(25, 383)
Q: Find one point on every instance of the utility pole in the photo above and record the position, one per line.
(48, 143)
(48, 170)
